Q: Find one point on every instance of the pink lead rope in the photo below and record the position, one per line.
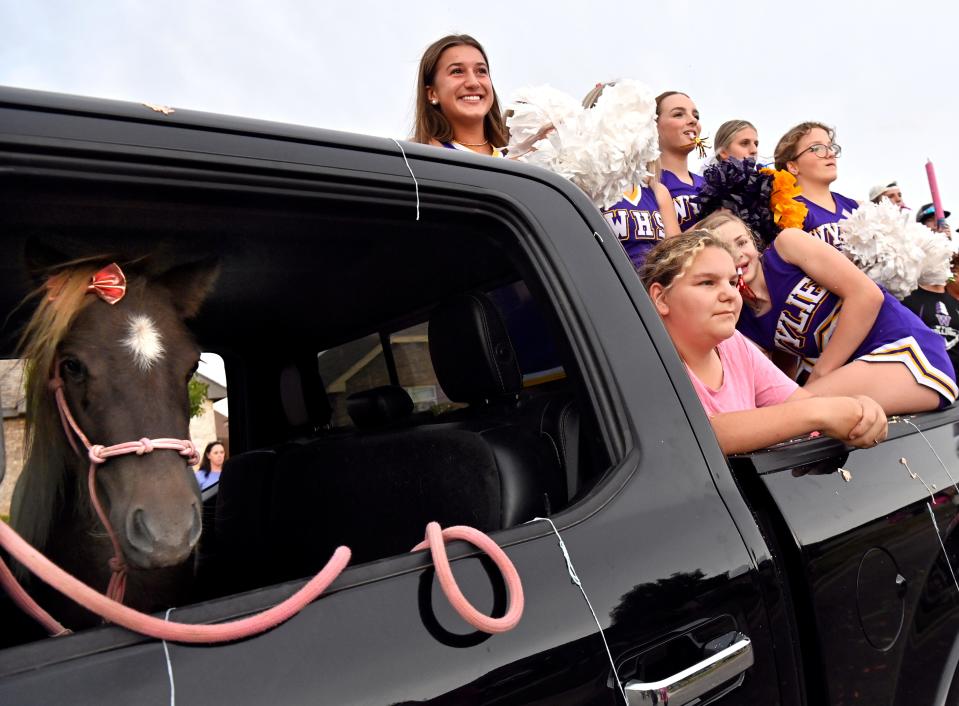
(144, 624)
(151, 626)
(436, 541)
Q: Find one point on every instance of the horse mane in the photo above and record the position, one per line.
(39, 491)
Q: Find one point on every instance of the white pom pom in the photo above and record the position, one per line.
(531, 109)
(939, 249)
(894, 250)
(603, 150)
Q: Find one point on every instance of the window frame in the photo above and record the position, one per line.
(238, 175)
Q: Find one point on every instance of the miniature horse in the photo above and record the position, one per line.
(123, 368)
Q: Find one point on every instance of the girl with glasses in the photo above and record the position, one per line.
(809, 152)
(851, 337)
(691, 279)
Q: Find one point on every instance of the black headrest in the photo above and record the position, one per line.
(303, 396)
(472, 355)
(379, 407)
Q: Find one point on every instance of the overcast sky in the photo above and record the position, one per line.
(884, 73)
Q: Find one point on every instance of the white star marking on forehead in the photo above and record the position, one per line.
(144, 341)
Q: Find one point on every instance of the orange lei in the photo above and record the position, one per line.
(787, 211)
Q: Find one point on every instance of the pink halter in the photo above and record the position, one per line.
(100, 454)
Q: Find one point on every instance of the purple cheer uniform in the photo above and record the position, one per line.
(804, 315)
(686, 210)
(823, 223)
(637, 222)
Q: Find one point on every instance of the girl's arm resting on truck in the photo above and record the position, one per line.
(857, 421)
(861, 297)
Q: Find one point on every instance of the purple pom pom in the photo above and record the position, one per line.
(736, 185)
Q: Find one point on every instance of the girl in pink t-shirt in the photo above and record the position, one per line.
(692, 281)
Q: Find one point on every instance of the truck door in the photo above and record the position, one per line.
(676, 573)
(864, 558)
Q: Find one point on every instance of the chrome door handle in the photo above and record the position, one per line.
(693, 682)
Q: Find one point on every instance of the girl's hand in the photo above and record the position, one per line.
(840, 416)
(872, 428)
(858, 421)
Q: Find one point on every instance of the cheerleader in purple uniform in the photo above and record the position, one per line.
(641, 219)
(809, 152)
(645, 214)
(809, 300)
(456, 106)
(678, 121)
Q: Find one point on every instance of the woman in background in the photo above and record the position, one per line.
(211, 464)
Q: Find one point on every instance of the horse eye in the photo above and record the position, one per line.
(73, 368)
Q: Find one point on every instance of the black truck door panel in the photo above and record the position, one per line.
(871, 576)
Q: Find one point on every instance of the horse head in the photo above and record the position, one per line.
(123, 368)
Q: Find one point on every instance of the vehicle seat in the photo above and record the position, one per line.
(235, 524)
(380, 407)
(375, 490)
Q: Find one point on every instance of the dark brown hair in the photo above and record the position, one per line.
(663, 96)
(786, 148)
(205, 464)
(429, 121)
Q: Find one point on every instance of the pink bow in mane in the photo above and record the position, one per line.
(110, 284)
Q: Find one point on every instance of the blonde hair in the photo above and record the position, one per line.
(429, 122)
(786, 147)
(41, 484)
(719, 218)
(727, 131)
(670, 258)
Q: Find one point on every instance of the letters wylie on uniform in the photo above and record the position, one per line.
(801, 305)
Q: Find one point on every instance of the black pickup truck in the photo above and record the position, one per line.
(414, 334)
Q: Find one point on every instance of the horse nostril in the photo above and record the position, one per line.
(138, 532)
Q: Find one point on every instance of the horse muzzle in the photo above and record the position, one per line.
(154, 539)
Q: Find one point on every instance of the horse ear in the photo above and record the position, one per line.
(190, 284)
